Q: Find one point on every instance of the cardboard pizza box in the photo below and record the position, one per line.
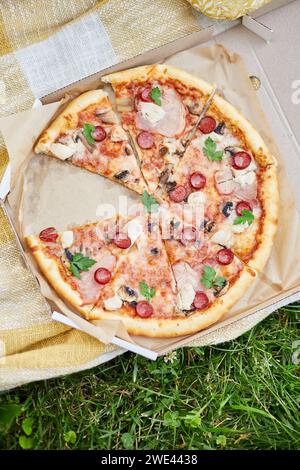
(240, 41)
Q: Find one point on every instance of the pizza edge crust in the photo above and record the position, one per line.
(158, 71)
(68, 118)
(257, 145)
(270, 203)
(149, 327)
(269, 184)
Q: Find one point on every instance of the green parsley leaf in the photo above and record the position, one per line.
(155, 94)
(210, 151)
(209, 278)
(149, 202)
(247, 216)
(80, 263)
(146, 291)
(87, 132)
(74, 270)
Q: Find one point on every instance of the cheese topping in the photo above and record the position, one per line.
(67, 238)
(239, 228)
(152, 112)
(113, 303)
(196, 198)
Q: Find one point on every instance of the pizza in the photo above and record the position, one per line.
(159, 106)
(88, 134)
(208, 214)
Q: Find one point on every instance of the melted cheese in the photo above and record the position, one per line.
(196, 198)
(67, 238)
(113, 303)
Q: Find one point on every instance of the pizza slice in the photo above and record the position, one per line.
(113, 269)
(209, 277)
(88, 134)
(159, 106)
(229, 171)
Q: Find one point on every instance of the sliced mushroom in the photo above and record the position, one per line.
(227, 208)
(220, 129)
(127, 294)
(165, 174)
(123, 175)
(209, 226)
(233, 150)
(219, 291)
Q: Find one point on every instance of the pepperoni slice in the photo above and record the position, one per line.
(121, 240)
(207, 124)
(48, 235)
(145, 140)
(145, 94)
(102, 276)
(224, 256)
(241, 160)
(242, 206)
(197, 180)
(188, 235)
(144, 309)
(99, 133)
(178, 194)
(200, 301)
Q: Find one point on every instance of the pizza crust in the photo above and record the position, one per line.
(255, 143)
(158, 71)
(149, 327)
(68, 119)
(269, 197)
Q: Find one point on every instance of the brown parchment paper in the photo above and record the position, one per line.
(49, 192)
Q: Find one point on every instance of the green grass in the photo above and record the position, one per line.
(244, 394)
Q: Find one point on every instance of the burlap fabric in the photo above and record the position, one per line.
(44, 45)
(227, 9)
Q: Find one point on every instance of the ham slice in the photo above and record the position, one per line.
(247, 192)
(224, 181)
(89, 289)
(173, 120)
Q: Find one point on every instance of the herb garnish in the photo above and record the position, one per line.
(146, 291)
(87, 132)
(247, 216)
(210, 151)
(209, 278)
(155, 94)
(149, 202)
(80, 263)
